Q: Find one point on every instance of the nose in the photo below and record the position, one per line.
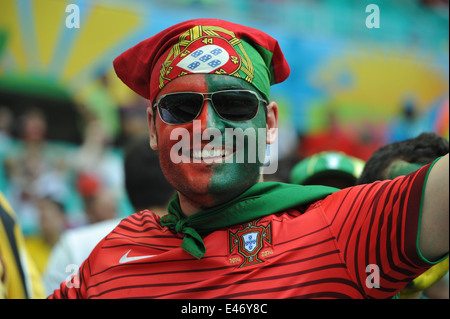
(209, 118)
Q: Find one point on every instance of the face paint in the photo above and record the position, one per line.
(189, 179)
(231, 178)
(208, 184)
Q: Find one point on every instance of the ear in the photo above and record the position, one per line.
(272, 122)
(152, 128)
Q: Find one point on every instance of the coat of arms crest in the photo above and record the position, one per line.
(252, 242)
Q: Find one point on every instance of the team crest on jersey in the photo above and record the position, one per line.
(250, 243)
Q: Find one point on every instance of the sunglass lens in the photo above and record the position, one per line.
(180, 108)
(236, 105)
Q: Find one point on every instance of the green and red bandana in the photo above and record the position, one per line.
(208, 46)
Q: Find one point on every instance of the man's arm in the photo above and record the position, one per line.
(434, 240)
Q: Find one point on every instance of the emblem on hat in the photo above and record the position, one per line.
(250, 243)
(207, 49)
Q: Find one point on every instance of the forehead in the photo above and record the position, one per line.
(205, 83)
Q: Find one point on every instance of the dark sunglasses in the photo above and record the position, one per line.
(230, 105)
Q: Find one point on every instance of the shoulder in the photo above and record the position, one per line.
(141, 221)
(140, 232)
(134, 225)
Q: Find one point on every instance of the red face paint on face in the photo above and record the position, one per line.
(190, 179)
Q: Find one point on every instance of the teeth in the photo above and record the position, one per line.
(209, 154)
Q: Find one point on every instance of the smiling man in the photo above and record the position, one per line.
(227, 233)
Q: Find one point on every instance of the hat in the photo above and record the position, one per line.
(202, 46)
(326, 164)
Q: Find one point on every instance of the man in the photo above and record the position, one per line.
(228, 235)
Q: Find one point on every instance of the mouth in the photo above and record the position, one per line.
(215, 155)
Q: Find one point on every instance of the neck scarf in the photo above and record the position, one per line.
(260, 200)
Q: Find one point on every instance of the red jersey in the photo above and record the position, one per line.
(359, 242)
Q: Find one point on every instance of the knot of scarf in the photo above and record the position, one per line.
(260, 200)
(179, 226)
(192, 241)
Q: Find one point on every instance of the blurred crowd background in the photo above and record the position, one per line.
(65, 119)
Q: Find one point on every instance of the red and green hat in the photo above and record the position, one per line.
(202, 46)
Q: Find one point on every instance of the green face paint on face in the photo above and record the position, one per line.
(234, 175)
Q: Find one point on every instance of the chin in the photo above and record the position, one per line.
(231, 186)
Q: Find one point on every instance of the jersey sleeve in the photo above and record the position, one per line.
(376, 228)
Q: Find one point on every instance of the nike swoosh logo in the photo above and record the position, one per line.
(126, 259)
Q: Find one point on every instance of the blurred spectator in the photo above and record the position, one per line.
(402, 158)
(19, 277)
(441, 124)
(100, 174)
(333, 169)
(28, 160)
(147, 189)
(407, 124)
(133, 122)
(145, 183)
(6, 120)
(101, 206)
(387, 161)
(331, 138)
(96, 157)
(355, 142)
(52, 224)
